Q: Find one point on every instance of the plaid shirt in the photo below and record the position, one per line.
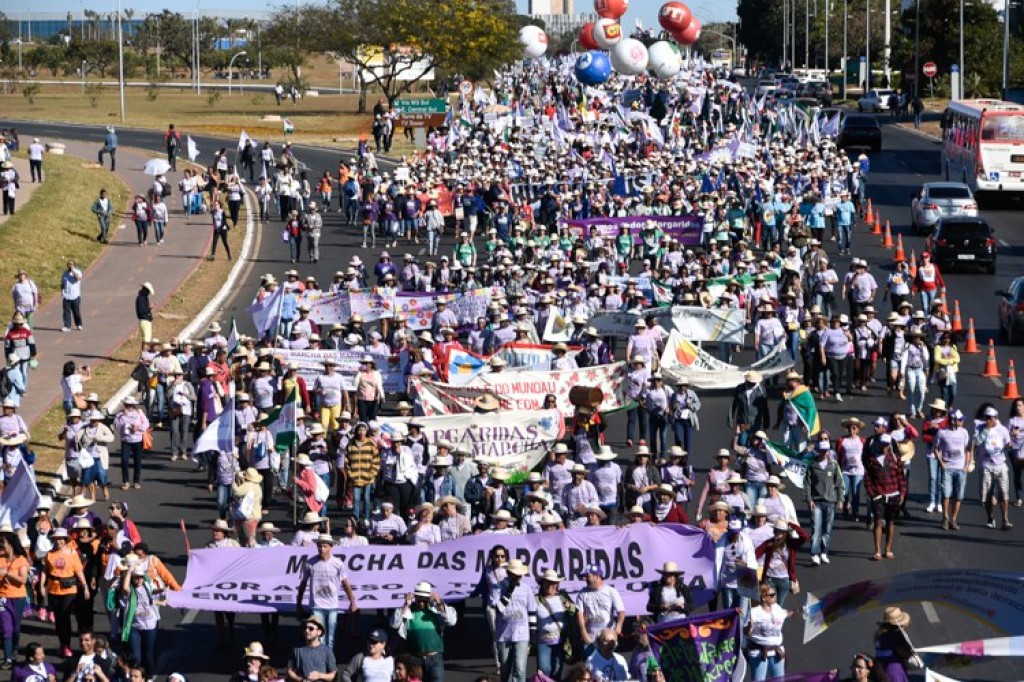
(883, 478)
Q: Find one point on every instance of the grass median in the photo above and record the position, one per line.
(183, 307)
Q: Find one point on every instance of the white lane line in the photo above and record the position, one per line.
(929, 612)
(997, 381)
(1003, 242)
(190, 616)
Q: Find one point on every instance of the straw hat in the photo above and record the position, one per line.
(781, 525)
(221, 524)
(852, 421)
(423, 589)
(268, 527)
(775, 481)
(605, 454)
(252, 475)
(551, 576)
(503, 515)
(255, 650)
(324, 539)
(670, 568)
(635, 510)
(78, 502)
(487, 402)
(549, 521)
(517, 567)
(594, 509)
(894, 615)
(311, 518)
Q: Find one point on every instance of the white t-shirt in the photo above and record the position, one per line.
(608, 669)
(71, 385)
(600, 608)
(766, 625)
(378, 670)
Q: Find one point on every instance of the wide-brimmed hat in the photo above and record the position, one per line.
(939, 404)
(252, 475)
(736, 479)
(303, 460)
(665, 489)
(781, 525)
(539, 497)
(752, 376)
(635, 510)
(852, 421)
(324, 539)
(255, 650)
(670, 568)
(449, 499)
(759, 510)
(549, 521)
(487, 402)
(79, 502)
(221, 524)
(775, 481)
(311, 518)
(894, 615)
(268, 527)
(315, 620)
(517, 567)
(13, 440)
(551, 576)
(423, 589)
(59, 533)
(594, 509)
(718, 506)
(605, 454)
(503, 515)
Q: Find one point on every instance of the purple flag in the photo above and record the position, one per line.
(704, 648)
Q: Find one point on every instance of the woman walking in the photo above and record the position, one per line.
(131, 425)
(14, 569)
(65, 581)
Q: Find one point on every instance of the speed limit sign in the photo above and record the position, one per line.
(466, 88)
(929, 69)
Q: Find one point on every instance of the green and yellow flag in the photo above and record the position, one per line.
(802, 401)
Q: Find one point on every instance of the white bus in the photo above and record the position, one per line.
(983, 145)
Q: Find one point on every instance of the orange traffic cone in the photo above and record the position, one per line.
(913, 264)
(887, 239)
(900, 253)
(870, 217)
(971, 343)
(1011, 392)
(877, 228)
(942, 297)
(958, 325)
(991, 370)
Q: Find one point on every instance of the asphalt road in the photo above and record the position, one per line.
(174, 492)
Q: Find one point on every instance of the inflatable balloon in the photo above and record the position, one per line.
(611, 9)
(664, 59)
(534, 41)
(593, 68)
(607, 33)
(690, 34)
(674, 17)
(629, 57)
(587, 37)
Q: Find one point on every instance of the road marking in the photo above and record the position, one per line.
(927, 607)
(192, 613)
(997, 381)
(1003, 242)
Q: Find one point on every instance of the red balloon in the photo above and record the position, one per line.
(587, 41)
(674, 17)
(690, 34)
(611, 9)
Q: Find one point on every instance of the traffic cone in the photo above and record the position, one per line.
(971, 343)
(1011, 392)
(991, 369)
(913, 264)
(877, 228)
(942, 297)
(900, 253)
(887, 239)
(958, 325)
(870, 217)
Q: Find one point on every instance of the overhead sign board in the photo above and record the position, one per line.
(421, 113)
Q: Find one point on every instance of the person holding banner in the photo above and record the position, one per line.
(322, 576)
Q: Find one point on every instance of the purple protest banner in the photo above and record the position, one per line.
(824, 676)
(265, 579)
(704, 648)
(687, 229)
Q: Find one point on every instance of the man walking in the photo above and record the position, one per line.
(823, 486)
(71, 293)
(102, 209)
(172, 141)
(313, 225)
(109, 147)
(322, 576)
(952, 449)
(886, 486)
(35, 159)
(516, 615)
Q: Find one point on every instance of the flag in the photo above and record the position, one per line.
(462, 366)
(219, 435)
(281, 422)
(794, 467)
(831, 127)
(193, 150)
(556, 330)
(802, 400)
(289, 127)
(242, 139)
(20, 497)
(662, 292)
(233, 338)
(266, 314)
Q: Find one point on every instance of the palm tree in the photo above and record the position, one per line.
(129, 14)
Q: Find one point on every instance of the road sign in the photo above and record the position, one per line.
(466, 88)
(421, 113)
(929, 69)
(955, 68)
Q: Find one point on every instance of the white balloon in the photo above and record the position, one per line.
(607, 33)
(629, 57)
(534, 41)
(664, 59)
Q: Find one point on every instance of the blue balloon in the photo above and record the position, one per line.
(593, 68)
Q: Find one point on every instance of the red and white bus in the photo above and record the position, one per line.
(983, 145)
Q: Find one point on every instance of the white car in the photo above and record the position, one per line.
(874, 101)
(765, 88)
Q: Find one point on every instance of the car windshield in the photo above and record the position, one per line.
(949, 193)
(1003, 128)
(965, 231)
(860, 122)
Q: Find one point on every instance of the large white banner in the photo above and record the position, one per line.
(310, 364)
(522, 390)
(711, 325)
(516, 440)
(19, 498)
(683, 360)
(327, 307)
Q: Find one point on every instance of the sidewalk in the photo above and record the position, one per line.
(110, 284)
(27, 187)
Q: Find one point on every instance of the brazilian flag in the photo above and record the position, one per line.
(802, 401)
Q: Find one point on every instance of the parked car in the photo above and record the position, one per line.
(1010, 309)
(818, 90)
(860, 132)
(874, 101)
(765, 87)
(937, 200)
(738, 72)
(963, 241)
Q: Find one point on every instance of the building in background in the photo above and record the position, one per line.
(40, 27)
(550, 7)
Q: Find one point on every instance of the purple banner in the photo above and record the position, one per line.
(826, 676)
(703, 648)
(265, 579)
(687, 229)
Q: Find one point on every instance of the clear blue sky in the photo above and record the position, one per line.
(645, 10)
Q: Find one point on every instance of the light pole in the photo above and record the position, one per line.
(18, 40)
(827, 12)
(785, 32)
(120, 59)
(231, 65)
(917, 48)
(807, 34)
(867, 47)
(1006, 44)
(845, 53)
(963, 94)
(887, 50)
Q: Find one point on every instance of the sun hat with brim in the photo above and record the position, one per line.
(449, 499)
(268, 527)
(549, 521)
(593, 509)
(255, 650)
(13, 440)
(221, 524)
(939, 404)
(894, 615)
(79, 502)
(759, 510)
(635, 510)
(723, 454)
(500, 474)
(311, 518)
(252, 475)
(59, 533)
(781, 526)
(487, 402)
(775, 481)
(423, 589)
(424, 506)
(665, 489)
(45, 502)
(718, 506)
(852, 421)
(315, 620)
(503, 515)
(539, 497)
(517, 567)
(736, 479)
(760, 434)
(324, 539)
(605, 454)
(551, 576)
(81, 524)
(303, 460)
(670, 568)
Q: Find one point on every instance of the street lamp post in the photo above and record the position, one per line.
(962, 67)
(785, 32)
(845, 53)
(807, 34)
(18, 40)
(120, 59)
(887, 50)
(1006, 44)
(867, 47)
(231, 65)
(917, 48)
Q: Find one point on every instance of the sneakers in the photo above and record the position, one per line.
(945, 523)
(824, 559)
(65, 329)
(991, 523)
(43, 614)
(839, 398)
(815, 560)
(930, 508)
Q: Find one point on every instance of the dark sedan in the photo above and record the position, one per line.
(963, 241)
(860, 132)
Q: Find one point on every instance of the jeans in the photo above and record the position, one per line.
(142, 644)
(179, 433)
(133, 450)
(917, 119)
(409, 228)
(160, 401)
(512, 657)
(794, 438)
(683, 429)
(367, 410)
(362, 501)
(755, 491)
(729, 598)
(104, 221)
(313, 246)
(35, 167)
(550, 659)
(948, 393)
(927, 297)
(222, 235)
(782, 588)
(658, 433)
(954, 483)
(765, 667)
(329, 617)
(824, 515)
(845, 235)
(370, 230)
(113, 156)
(72, 311)
(158, 230)
(917, 388)
(852, 484)
(223, 497)
(433, 240)
(933, 481)
(636, 416)
(433, 668)
(295, 248)
(142, 230)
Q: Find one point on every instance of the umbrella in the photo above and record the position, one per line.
(496, 109)
(156, 167)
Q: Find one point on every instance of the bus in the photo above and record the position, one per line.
(983, 145)
(721, 59)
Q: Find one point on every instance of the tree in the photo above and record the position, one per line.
(50, 57)
(172, 34)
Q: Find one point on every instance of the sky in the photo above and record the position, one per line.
(645, 10)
